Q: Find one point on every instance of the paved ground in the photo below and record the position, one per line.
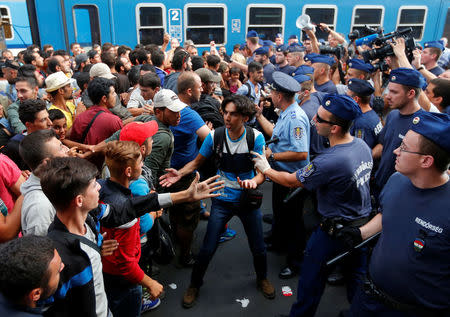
(230, 276)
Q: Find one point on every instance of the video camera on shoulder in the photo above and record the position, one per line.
(364, 32)
(338, 51)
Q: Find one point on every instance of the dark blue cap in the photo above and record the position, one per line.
(263, 50)
(284, 83)
(301, 78)
(438, 44)
(243, 46)
(295, 47)
(359, 64)
(268, 43)
(261, 42)
(293, 37)
(252, 33)
(407, 77)
(282, 48)
(360, 86)
(433, 126)
(309, 56)
(341, 106)
(279, 35)
(303, 70)
(323, 59)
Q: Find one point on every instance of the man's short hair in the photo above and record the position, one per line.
(91, 53)
(441, 89)
(441, 157)
(179, 58)
(73, 44)
(121, 154)
(150, 80)
(417, 90)
(133, 75)
(344, 124)
(253, 40)
(148, 68)
(24, 266)
(140, 55)
(157, 58)
(197, 62)
(29, 57)
(244, 105)
(51, 65)
(32, 148)
(83, 78)
(98, 88)
(106, 46)
(122, 50)
(26, 70)
(108, 58)
(435, 50)
(55, 114)
(212, 60)
(63, 178)
(254, 67)
(29, 108)
(61, 53)
(186, 81)
(32, 82)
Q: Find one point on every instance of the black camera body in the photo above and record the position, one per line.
(365, 31)
(338, 51)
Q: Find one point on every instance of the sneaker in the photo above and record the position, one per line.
(266, 288)
(148, 304)
(227, 235)
(190, 296)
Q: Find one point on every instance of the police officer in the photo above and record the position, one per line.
(289, 154)
(322, 81)
(340, 176)
(409, 271)
(367, 126)
(356, 69)
(281, 61)
(262, 56)
(295, 57)
(404, 90)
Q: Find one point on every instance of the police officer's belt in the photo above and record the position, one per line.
(333, 225)
(372, 290)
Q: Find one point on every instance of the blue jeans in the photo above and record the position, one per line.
(124, 301)
(221, 213)
(319, 249)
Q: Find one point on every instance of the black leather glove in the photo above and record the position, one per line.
(350, 236)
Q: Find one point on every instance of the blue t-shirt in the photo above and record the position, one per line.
(367, 127)
(329, 87)
(268, 69)
(288, 69)
(185, 138)
(292, 129)
(391, 136)
(340, 176)
(411, 261)
(317, 142)
(232, 191)
(243, 90)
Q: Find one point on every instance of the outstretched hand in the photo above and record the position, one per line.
(198, 191)
(171, 177)
(260, 161)
(247, 183)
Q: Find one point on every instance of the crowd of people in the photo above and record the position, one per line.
(101, 148)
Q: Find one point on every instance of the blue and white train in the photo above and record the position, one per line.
(61, 22)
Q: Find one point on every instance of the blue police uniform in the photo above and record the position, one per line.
(292, 130)
(436, 44)
(328, 87)
(340, 176)
(410, 262)
(288, 69)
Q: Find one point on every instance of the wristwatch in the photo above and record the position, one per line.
(271, 157)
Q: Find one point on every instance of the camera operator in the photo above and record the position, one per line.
(334, 38)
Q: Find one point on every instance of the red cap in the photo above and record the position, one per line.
(138, 131)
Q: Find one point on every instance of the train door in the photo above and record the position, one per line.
(86, 25)
(446, 32)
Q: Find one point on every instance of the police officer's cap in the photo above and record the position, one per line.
(438, 44)
(264, 50)
(309, 56)
(407, 77)
(242, 47)
(252, 33)
(360, 86)
(293, 37)
(284, 83)
(341, 106)
(268, 43)
(282, 48)
(301, 78)
(279, 36)
(295, 47)
(359, 64)
(435, 127)
(303, 70)
(323, 59)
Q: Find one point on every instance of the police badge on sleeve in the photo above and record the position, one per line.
(298, 133)
(305, 172)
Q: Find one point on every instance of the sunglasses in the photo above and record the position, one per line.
(320, 120)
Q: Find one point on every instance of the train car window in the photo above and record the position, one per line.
(446, 32)
(267, 20)
(322, 14)
(414, 17)
(371, 16)
(7, 22)
(151, 23)
(205, 23)
(86, 24)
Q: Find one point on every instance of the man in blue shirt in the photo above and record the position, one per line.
(252, 88)
(367, 126)
(288, 154)
(340, 176)
(322, 81)
(236, 169)
(409, 273)
(281, 61)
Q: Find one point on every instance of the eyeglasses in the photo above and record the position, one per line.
(320, 120)
(402, 148)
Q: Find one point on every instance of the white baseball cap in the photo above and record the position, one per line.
(55, 81)
(101, 70)
(166, 98)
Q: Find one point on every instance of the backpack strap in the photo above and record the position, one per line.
(85, 132)
(249, 92)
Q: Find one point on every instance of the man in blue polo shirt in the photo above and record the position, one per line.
(262, 56)
(281, 61)
(340, 176)
(409, 271)
(430, 55)
(356, 69)
(404, 90)
(322, 81)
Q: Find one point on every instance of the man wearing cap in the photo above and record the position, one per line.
(279, 40)
(430, 55)
(58, 87)
(252, 44)
(293, 39)
(356, 69)
(368, 125)
(94, 57)
(81, 60)
(404, 90)
(294, 56)
(408, 271)
(288, 154)
(9, 70)
(262, 57)
(340, 176)
(322, 81)
(282, 64)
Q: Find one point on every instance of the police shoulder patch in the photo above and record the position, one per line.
(307, 170)
(298, 133)
(293, 115)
